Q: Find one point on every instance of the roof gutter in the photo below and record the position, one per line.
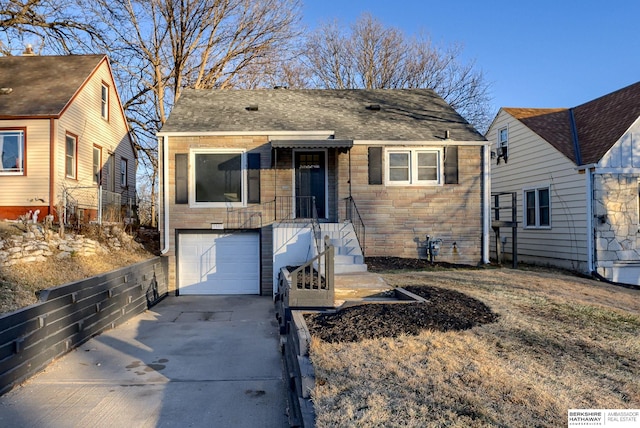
(165, 194)
(319, 133)
(586, 166)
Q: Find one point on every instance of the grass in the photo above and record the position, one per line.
(561, 342)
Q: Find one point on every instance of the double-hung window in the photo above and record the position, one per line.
(97, 165)
(104, 106)
(503, 143)
(124, 172)
(71, 150)
(12, 150)
(218, 177)
(537, 208)
(413, 167)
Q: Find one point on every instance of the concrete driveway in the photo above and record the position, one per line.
(190, 361)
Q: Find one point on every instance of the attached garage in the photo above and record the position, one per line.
(219, 263)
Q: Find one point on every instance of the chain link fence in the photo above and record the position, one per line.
(93, 204)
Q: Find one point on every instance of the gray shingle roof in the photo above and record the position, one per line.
(404, 114)
(42, 85)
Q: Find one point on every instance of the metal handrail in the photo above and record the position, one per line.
(280, 209)
(353, 215)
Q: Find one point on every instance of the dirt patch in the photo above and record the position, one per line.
(444, 310)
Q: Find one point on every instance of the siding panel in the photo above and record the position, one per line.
(83, 118)
(532, 162)
(26, 190)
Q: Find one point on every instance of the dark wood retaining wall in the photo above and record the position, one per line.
(69, 315)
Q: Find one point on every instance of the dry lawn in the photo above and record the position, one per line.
(560, 342)
(19, 283)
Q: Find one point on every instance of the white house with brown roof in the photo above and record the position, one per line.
(246, 176)
(576, 174)
(62, 127)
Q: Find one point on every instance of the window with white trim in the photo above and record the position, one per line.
(97, 165)
(537, 208)
(218, 177)
(71, 147)
(124, 172)
(413, 167)
(503, 143)
(12, 150)
(104, 107)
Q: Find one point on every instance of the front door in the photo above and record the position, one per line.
(310, 183)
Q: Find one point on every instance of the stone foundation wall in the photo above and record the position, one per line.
(39, 244)
(616, 219)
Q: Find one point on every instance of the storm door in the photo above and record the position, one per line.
(310, 185)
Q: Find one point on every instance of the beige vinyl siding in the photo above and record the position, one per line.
(83, 118)
(23, 190)
(533, 162)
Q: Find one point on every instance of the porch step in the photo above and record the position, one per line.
(358, 286)
(348, 258)
(349, 268)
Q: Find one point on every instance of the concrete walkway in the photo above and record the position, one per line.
(188, 362)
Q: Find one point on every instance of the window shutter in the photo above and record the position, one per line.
(253, 161)
(375, 165)
(451, 165)
(182, 180)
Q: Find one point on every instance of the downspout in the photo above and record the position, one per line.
(486, 203)
(589, 184)
(52, 158)
(590, 234)
(165, 194)
(350, 194)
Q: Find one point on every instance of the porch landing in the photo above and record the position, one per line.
(360, 286)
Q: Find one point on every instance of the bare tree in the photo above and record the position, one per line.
(48, 25)
(159, 47)
(370, 55)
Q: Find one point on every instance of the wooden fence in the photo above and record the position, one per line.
(69, 315)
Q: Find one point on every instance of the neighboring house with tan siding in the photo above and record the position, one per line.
(576, 174)
(62, 128)
(245, 174)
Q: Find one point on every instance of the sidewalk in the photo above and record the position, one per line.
(190, 361)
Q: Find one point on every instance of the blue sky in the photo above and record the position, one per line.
(541, 53)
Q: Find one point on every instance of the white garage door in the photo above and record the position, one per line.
(219, 263)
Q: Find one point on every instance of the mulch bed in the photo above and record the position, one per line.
(382, 264)
(444, 310)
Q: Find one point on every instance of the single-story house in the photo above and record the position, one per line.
(576, 175)
(63, 133)
(246, 176)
